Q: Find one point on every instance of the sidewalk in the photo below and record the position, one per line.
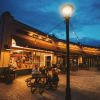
(85, 85)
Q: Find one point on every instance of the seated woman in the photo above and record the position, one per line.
(48, 79)
(48, 76)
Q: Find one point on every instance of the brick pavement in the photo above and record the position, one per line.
(85, 85)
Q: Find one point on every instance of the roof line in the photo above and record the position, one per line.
(43, 33)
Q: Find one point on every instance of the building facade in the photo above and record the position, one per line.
(24, 47)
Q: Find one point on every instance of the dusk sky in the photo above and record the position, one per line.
(45, 15)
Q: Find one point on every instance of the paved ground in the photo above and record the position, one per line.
(85, 85)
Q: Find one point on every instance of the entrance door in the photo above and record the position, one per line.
(48, 61)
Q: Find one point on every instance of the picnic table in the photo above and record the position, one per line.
(36, 82)
(39, 82)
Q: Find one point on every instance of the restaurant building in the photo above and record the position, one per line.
(24, 47)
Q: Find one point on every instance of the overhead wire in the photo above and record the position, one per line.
(74, 33)
(53, 28)
(79, 42)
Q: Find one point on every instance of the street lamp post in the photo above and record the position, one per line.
(68, 90)
(67, 11)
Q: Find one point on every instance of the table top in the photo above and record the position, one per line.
(39, 76)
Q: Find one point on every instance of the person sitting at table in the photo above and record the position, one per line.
(55, 77)
(52, 79)
(35, 70)
(43, 70)
(49, 78)
(43, 73)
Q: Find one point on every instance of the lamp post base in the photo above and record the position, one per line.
(68, 93)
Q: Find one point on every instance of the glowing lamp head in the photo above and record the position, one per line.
(67, 10)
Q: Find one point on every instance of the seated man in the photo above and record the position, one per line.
(55, 77)
(35, 70)
(43, 70)
(55, 80)
(52, 81)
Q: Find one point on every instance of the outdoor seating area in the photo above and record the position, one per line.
(42, 80)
